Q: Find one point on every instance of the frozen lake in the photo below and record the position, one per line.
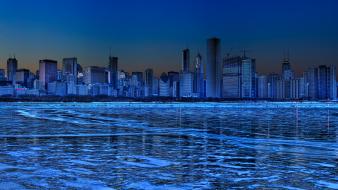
(168, 146)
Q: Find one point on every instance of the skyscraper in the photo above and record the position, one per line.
(287, 72)
(149, 76)
(311, 83)
(323, 79)
(214, 67)
(186, 77)
(327, 82)
(164, 85)
(186, 60)
(2, 75)
(198, 86)
(332, 83)
(69, 69)
(47, 71)
(232, 73)
(95, 75)
(174, 79)
(262, 86)
(12, 66)
(248, 78)
(113, 69)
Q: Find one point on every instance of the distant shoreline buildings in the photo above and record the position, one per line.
(228, 77)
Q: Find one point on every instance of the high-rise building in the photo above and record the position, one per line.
(186, 84)
(326, 82)
(295, 88)
(272, 85)
(248, 78)
(262, 86)
(232, 73)
(149, 76)
(95, 75)
(174, 79)
(113, 69)
(186, 60)
(287, 72)
(12, 66)
(22, 76)
(2, 75)
(323, 79)
(198, 86)
(311, 83)
(186, 77)
(69, 69)
(332, 83)
(47, 71)
(164, 85)
(214, 67)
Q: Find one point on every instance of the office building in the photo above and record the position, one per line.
(186, 60)
(149, 76)
(248, 78)
(214, 66)
(69, 69)
(262, 86)
(47, 72)
(2, 75)
(232, 73)
(22, 77)
(164, 85)
(332, 83)
(113, 70)
(94, 75)
(198, 87)
(174, 81)
(12, 66)
(186, 85)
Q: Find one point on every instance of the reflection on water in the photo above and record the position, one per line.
(169, 146)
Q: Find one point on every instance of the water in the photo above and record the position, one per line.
(168, 146)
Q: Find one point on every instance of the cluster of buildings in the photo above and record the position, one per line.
(228, 77)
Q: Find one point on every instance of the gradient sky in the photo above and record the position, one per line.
(152, 33)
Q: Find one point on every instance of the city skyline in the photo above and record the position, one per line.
(153, 34)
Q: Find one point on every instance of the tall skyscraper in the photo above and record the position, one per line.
(69, 69)
(214, 66)
(174, 79)
(232, 75)
(332, 83)
(287, 72)
(22, 76)
(198, 87)
(47, 71)
(95, 75)
(311, 83)
(186, 60)
(186, 77)
(186, 84)
(149, 76)
(2, 75)
(12, 66)
(262, 86)
(272, 85)
(113, 69)
(164, 85)
(248, 78)
(327, 82)
(323, 79)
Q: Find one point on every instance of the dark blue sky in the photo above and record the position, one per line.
(151, 33)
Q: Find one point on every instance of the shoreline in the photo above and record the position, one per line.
(90, 99)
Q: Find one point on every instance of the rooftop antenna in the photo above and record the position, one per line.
(109, 51)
